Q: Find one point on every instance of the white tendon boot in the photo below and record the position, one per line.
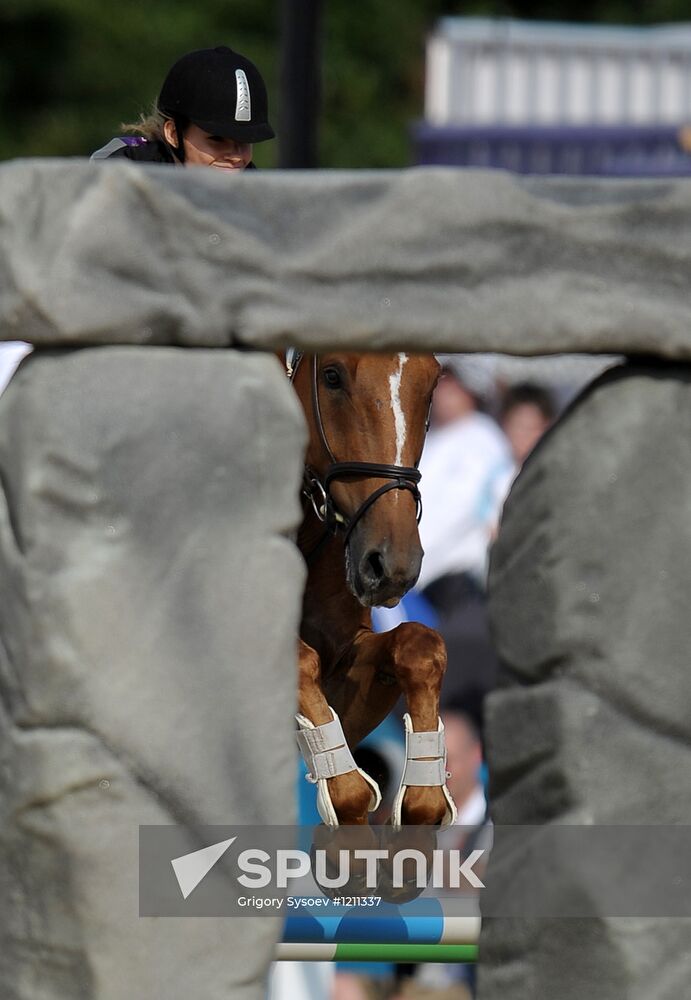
(423, 772)
(326, 754)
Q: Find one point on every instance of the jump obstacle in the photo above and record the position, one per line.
(358, 936)
(372, 952)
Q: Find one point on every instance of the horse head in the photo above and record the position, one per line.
(367, 416)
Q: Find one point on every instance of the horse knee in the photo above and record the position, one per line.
(309, 666)
(419, 655)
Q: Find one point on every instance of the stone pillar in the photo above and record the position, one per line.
(589, 599)
(149, 598)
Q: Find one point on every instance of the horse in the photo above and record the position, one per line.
(367, 416)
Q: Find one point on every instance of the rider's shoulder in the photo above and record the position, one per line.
(134, 147)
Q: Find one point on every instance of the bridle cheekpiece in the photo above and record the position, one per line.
(317, 490)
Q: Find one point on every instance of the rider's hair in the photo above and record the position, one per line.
(149, 125)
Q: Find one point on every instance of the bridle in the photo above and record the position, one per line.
(318, 491)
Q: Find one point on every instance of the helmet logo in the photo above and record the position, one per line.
(243, 107)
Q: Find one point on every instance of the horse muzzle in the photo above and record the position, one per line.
(379, 574)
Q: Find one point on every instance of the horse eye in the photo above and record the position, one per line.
(332, 378)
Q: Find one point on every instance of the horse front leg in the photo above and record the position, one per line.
(413, 657)
(345, 794)
(418, 654)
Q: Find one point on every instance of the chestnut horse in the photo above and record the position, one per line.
(367, 417)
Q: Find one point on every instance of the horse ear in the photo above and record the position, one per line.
(285, 358)
(291, 360)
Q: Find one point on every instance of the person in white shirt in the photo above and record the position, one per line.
(465, 455)
(464, 764)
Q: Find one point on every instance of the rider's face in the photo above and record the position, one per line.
(202, 149)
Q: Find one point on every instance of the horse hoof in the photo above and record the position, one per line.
(401, 886)
(337, 863)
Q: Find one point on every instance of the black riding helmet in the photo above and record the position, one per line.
(220, 91)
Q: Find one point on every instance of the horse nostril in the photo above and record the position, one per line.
(376, 564)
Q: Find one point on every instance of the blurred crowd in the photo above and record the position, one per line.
(481, 433)
(482, 429)
(488, 414)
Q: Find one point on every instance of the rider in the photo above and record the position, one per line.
(212, 107)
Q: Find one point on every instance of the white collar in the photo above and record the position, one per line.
(474, 809)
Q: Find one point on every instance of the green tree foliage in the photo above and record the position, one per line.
(72, 70)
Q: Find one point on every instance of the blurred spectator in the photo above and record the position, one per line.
(464, 764)
(527, 411)
(360, 985)
(464, 452)
(464, 456)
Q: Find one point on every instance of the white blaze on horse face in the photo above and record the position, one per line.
(398, 415)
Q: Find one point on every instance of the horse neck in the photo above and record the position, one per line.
(331, 615)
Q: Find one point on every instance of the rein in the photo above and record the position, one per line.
(317, 491)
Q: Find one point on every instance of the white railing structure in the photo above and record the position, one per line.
(499, 71)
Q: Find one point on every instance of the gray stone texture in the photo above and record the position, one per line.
(149, 598)
(430, 258)
(589, 585)
(149, 595)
